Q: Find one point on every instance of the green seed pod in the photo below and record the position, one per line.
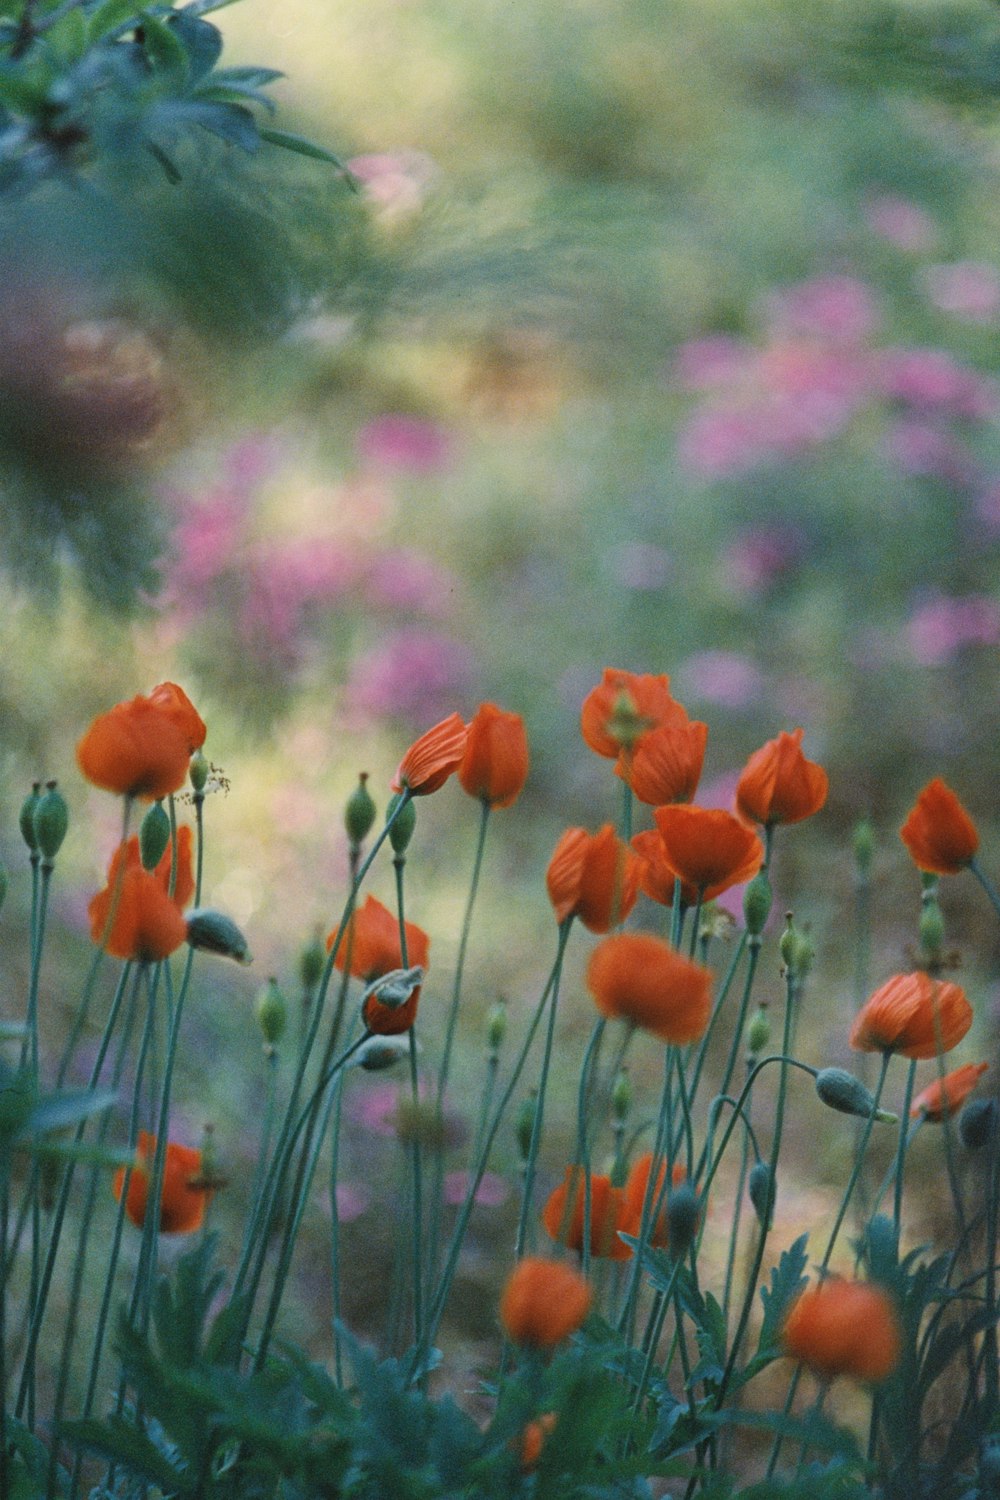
(757, 904)
(272, 1012)
(977, 1123)
(51, 820)
(154, 836)
(761, 1187)
(863, 843)
(198, 773)
(26, 818)
(842, 1091)
(787, 941)
(524, 1124)
(360, 812)
(683, 1214)
(496, 1026)
(931, 928)
(621, 1097)
(311, 962)
(403, 825)
(758, 1032)
(213, 932)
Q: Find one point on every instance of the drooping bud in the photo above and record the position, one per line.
(863, 843)
(842, 1091)
(311, 961)
(360, 812)
(214, 932)
(381, 1052)
(683, 1214)
(26, 818)
(524, 1124)
(403, 823)
(977, 1123)
(621, 1096)
(761, 1187)
(272, 1012)
(51, 820)
(758, 1031)
(757, 904)
(154, 836)
(198, 772)
(394, 989)
(496, 1026)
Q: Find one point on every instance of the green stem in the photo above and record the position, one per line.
(543, 1081)
(584, 1096)
(904, 1120)
(991, 891)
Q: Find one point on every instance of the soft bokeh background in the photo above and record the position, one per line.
(655, 336)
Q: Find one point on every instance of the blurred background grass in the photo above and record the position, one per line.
(660, 336)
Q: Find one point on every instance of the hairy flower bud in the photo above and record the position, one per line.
(977, 1123)
(524, 1124)
(403, 822)
(51, 820)
(272, 1012)
(496, 1026)
(394, 989)
(381, 1052)
(757, 904)
(214, 932)
(154, 836)
(360, 812)
(198, 772)
(621, 1096)
(26, 817)
(311, 961)
(758, 1032)
(842, 1091)
(683, 1215)
(931, 927)
(761, 1187)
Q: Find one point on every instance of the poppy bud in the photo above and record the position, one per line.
(757, 904)
(931, 927)
(272, 1012)
(797, 951)
(524, 1124)
(977, 1123)
(863, 843)
(758, 1032)
(621, 1096)
(26, 817)
(496, 1026)
(403, 823)
(761, 1187)
(198, 772)
(381, 1052)
(51, 819)
(842, 1091)
(683, 1216)
(214, 932)
(311, 961)
(154, 836)
(394, 989)
(360, 812)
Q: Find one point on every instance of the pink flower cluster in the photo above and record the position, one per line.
(941, 626)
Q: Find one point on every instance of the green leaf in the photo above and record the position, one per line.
(59, 1111)
(787, 1280)
(300, 144)
(112, 15)
(117, 1440)
(249, 77)
(84, 1151)
(165, 52)
(201, 41)
(815, 1430)
(232, 123)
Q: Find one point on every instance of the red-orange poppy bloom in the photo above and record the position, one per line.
(656, 879)
(432, 758)
(945, 1096)
(543, 1302)
(636, 977)
(148, 923)
(626, 706)
(844, 1328)
(533, 1439)
(939, 833)
(593, 876)
(183, 1201)
(494, 767)
(778, 784)
(175, 703)
(635, 1194)
(372, 941)
(564, 1211)
(665, 764)
(912, 1014)
(141, 748)
(708, 849)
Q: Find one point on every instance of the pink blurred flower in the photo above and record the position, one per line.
(901, 222)
(758, 557)
(352, 1200)
(640, 565)
(717, 359)
(719, 791)
(968, 289)
(988, 507)
(926, 450)
(718, 441)
(375, 1107)
(204, 544)
(394, 183)
(942, 626)
(724, 677)
(309, 569)
(406, 579)
(839, 308)
(400, 442)
(934, 380)
(491, 1192)
(412, 673)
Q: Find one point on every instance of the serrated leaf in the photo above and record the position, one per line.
(117, 1440)
(787, 1280)
(298, 143)
(232, 123)
(232, 93)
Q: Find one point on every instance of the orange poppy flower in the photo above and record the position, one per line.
(543, 1302)
(707, 848)
(778, 784)
(946, 1095)
(494, 767)
(593, 876)
(148, 924)
(626, 706)
(844, 1328)
(939, 833)
(139, 749)
(912, 1014)
(635, 1194)
(175, 703)
(373, 943)
(533, 1439)
(656, 878)
(563, 1215)
(432, 758)
(636, 977)
(182, 1205)
(665, 764)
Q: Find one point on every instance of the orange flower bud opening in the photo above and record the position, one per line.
(432, 758)
(778, 784)
(939, 834)
(945, 1096)
(914, 1015)
(543, 1302)
(594, 877)
(182, 1204)
(639, 978)
(494, 766)
(563, 1215)
(140, 748)
(844, 1328)
(665, 764)
(147, 923)
(708, 849)
(371, 948)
